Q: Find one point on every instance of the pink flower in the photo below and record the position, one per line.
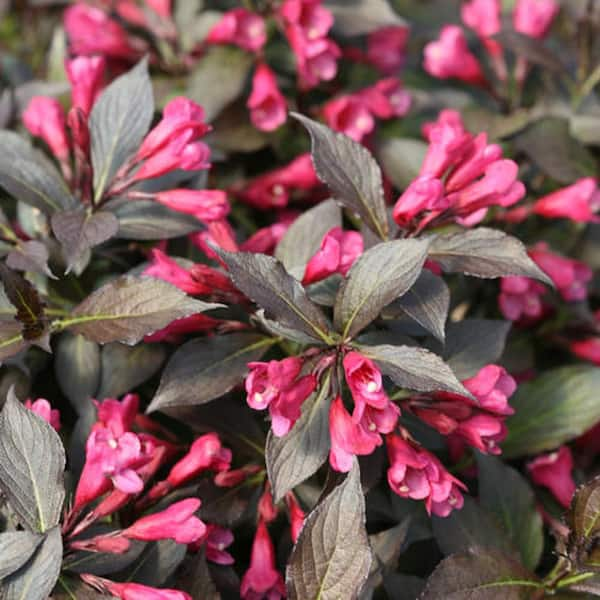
(339, 249)
(86, 75)
(173, 332)
(161, 7)
(492, 386)
(268, 109)
(314, 20)
(349, 438)
(216, 540)
(577, 202)
(205, 205)
(553, 471)
(134, 591)
(176, 522)
(316, 57)
(205, 453)
(165, 268)
(449, 56)
(296, 516)
(240, 27)
(91, 31)
(520, 297)
(182, 121)
(262, 580)
(386, 48)
(117, 415)
(587, 349)
(218, 233)
(266, 238)
(386, 99)
(483, 16)
(416, 473)
(424, 194)
(569, 276)
(534, 17)
(42, 408)
(277, 385)
(267, 511)
(349, 115)
(273, 189)
(365, 383)
(45, 118)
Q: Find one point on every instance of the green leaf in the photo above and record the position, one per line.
(484, 252)
(426, 302)
(480, 574)
(556, 407)
(32, 464)
(118, 122)
(331, 558)
(79, 231)
(414, 368)
(584, 515)
(379, 276)
(350, 172)
(302, 240)
(28, 175)
(470, 527)
(358, 17)
(471, 344)
(16, 548)
(77, 368)
(207, 368)
(549, 144)
(219, 78)
(505, 492)
(128, 308)
(125, 367)
(293, 458)
(37, 577)
(265, 281)
(148, 220)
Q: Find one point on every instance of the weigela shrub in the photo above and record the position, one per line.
(298, 299)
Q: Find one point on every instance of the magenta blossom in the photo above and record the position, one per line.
(416, 473)
(578, 202)
(386, 48)
(268, 109)
(262, 580)
(534, 17)
(554, 471)
(45, 118)
(240, 27)
(520, 298)
(42, 408)
(205, 205)
(86, 75)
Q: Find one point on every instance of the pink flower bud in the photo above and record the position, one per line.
(86, 75)
(205, 453)
(416, 473)
(426, 193)
(205, 205)
(240, 27)
(386, 99)
(117, 415)
(309, 16)
(268, 109)
(569, 276)
(42, 408)
(217, 539)
(165, 268)
(176, 522)
(218, 233)
(450, 57)
(115, 544)
(587, 349)
(262, 580)
(553, 471)
(386, 48)
(339, 249)
(349, 115)
(267, 511)
(161, 7)
(45, 118)
(272, 189)
(534, 17)
(482, 16)
(266, 238)
(520, 297)
(577, 202)
(134, 591)
(296, 515)
(91, 31)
